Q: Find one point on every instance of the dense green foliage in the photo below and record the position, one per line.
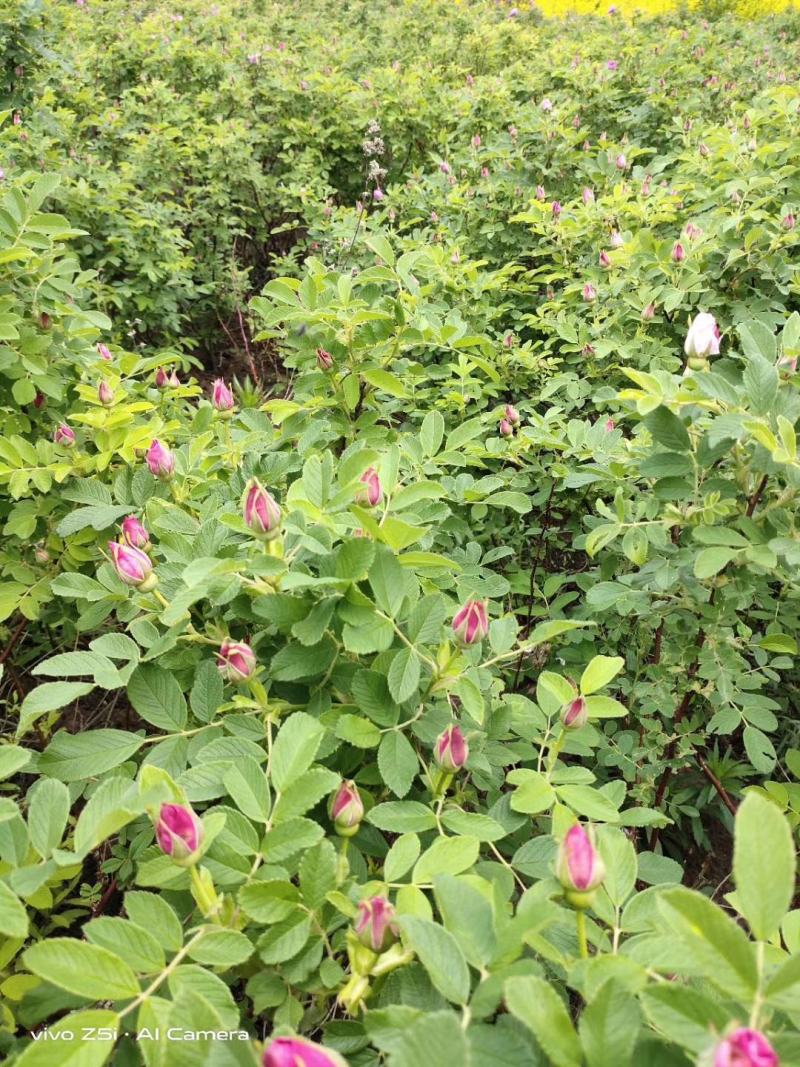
(450, 255)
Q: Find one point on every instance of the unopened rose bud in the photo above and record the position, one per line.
(589, 293)
(444, 167)
(104, 352)
(236, 661)
(297, 1052)
(162, 378)
(374, 925)
(546, 104)
(604, 259)
(484, 172)
(372, 493)
(179, 833)
(646, 185)
(476, 140)
(508, 340)
(648, 312)
(347, 809)
(555, 208)
(506, 429)
(377, 194)
(621, 162)
(324, 359)
(471, 622)
(41, 555)
(160, 461)
(587, 195)
(678, 252)
(261, 511)
(105, 394)
(617, 240)
(132, 565)
(64, 435)
(704, 150)
(745, 1048)
(588, 350)
(45, 321)
(788, 221)
(702, 338)
(692, 231)
(540, 193)
(174, 380)
(575, 714)
(512, 414)
(609, 425)
(579, 867)
(221, 396)
(134, 533)
(451, 750)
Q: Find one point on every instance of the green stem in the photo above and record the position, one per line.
(580, 922)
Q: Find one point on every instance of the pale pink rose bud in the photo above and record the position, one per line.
(702, 338)
(444, 167)
(578, 866)
(374, 925)
(506, 429)
(132, 565)
(704, 150)
(471, 622)
(160, 461)
(692, 231)
(513, 13)
(17, 120)
(105, 394)
(2, 174)
(556, 209)
(513, 132)
(576, 714)
(41, 555)
(64, 435)
(589, 293)
(646, 185)
(134, 533)
(261, 511)
(540, 193)
(546, 104)
(372, 493)
(612, 64)
(346, 809)
(621, 162)
(221, 396)
(451, 750)
(617, 240)
(469, 79)
(162, 378)
(586, 146)
(104, 352)
(588, 350)
(174, 380)
(678, 252)
(610, 425)
(236, 661)
(512, 414)
(297, 1052)
(377, 194)
(455, 257)
(324, 359)
(587, 195)
(745, 1048)
(484, 172)
(605, 259)
(576, 122)
(788, 221)
(434, 217)
(476, 140)
(508, 340)
(179, 833)
(648, 312)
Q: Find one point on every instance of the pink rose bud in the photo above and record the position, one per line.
(372, 493)
(221, 396)
(512, 414)
(444, 167)
(236, 661)
(646, 185)
(678, 253)
(702, 339)
(648, 312)
(621, 162)
(476, 140)
(576, 714)
(617, 240)
(347, 809)
(484, 172)
(508, 340)
(374, 925)
(745, 1048)
(162, 378)
(41, 555)
(546, 104)
(704, 150)
(579, 867)
(610, 425)
(588, 350)
(324, 359)
(587, 195)
(540, 193)
(377, 194)
(589, 293)
(105, 394)
(64, 435)
(297, 1052)
(261, 511)
(788, 221)
(451, 750)
(506, 429)
(471, 622)
(612, 64)
(104, 352)
(132, 565)
(134, 533)
(555, 209)
(179, 833)
(692, 231)
(174, 380)
(160, 461)
(605, 259)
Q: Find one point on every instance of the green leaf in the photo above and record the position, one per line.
(97, 516)
(81, 968)
(153, 913)
(609, 1026)
(599, 672)
(711, 561)
(318, 873)
(668, 430)
(401, 857)
(536, 1004)
(70, 1048)
(71, 757)
(48, 811)
(247, 786)
(221, 948)
(13, 916)
(447, 855)
(533, 793)
(385, 381)
(295, 748)
(50, 696)
(760, 750)
(207, 691)
(397, 762)
(285, 939)
(358, 731)
(387, 579)
(404, 675)
(439, 954)
(134, 944)
(431, 433)
(435, 1039)
(12, 759)
(686, 1015)
(157, 697)
(763, 865)
(402, 816)
(469, 917)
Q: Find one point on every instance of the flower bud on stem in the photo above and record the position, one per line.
(205, 895)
